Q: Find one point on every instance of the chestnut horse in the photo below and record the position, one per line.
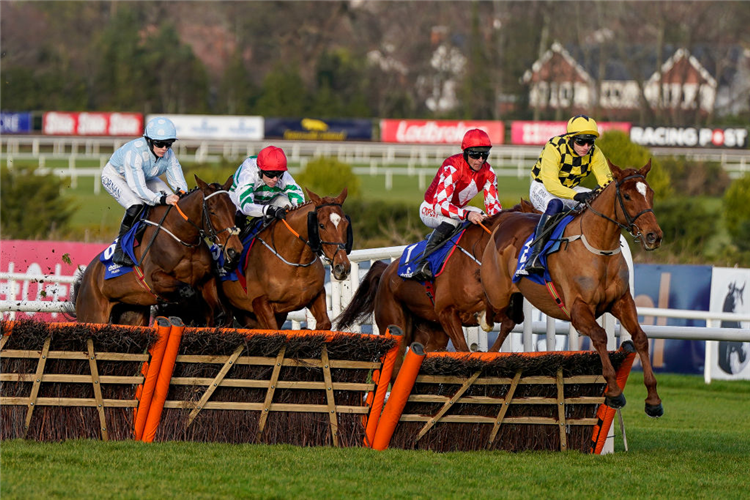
(589, 272)
(457, 297)
(284, 272)
(174, 259)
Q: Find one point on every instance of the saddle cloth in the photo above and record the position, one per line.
(129, 242)
(237, 274)
(438, 259)
(552, 246)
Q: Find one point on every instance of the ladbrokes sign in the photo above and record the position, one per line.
(437, 131)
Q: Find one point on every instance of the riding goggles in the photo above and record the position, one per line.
(162, 144)
(271, 174)
(584, 142)
(475, 155)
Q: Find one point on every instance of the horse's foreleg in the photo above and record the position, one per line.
(625, 311)
(216, 313)
(170, 288)
(583, 319)
(506, 325)
(263, 310)
(320, 313)
(452, 326)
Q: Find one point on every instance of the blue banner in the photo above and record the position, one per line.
(15, 123)
(313, 129)
(674, 287)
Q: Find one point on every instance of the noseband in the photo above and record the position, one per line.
(631, 228)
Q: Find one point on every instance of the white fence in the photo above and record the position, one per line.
(552, 334)
(366, 158)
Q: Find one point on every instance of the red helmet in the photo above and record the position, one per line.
(272, 159)
(476, 138)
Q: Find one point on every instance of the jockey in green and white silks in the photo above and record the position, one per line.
(261, 178)
(132, 173)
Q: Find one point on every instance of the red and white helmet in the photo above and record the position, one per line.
(272, 159)
(476, 138)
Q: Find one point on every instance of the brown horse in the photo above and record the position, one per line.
(284, 272)
(589, 272)
(457, 299)
(173, 257)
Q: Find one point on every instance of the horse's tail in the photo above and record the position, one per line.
(363, 302)
(70, 305)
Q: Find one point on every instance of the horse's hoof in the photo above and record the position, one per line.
(483, 322)
(615, 402)
(186, 292)
(654, 411)
(628, 346)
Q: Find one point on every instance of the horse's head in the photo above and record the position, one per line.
(634, 204)
(218, 219)
(330, 230)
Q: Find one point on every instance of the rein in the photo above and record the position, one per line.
(317, 249)
(211, 233)
(631, 228)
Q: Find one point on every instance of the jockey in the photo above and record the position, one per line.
(564, 162)
(132, 173)
(458, 180)
(258, 180)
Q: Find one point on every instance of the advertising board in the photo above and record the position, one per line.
(438, 131)
(206, 127)
(690, 137)
(539, 132)
(726, 360)
(15, 123)
(92, 124)
(318, 129)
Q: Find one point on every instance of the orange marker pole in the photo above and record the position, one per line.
(399, 396)
(146, 391)
(384, 379)
(605, 414)
(165, 377)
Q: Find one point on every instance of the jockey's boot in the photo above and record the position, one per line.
(534, 264)
(437, 237)
(120, 257)
(240, 220)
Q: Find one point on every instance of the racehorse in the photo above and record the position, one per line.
(589, 274)
(283, 270)
(430, 317)
(174, 261)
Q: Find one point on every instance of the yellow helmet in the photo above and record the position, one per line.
(582, 125)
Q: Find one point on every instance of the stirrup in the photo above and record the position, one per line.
(424, 273)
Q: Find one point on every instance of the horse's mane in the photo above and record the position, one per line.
(294, 208)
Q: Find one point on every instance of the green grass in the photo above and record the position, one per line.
(699, 449)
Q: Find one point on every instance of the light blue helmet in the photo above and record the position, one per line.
(160, 129)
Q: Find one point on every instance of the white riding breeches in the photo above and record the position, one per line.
(432, 217)
(540, 197)
(117, 186)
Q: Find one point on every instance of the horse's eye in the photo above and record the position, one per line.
(626, 196)
(322, 226)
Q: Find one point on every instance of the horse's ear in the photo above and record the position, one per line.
(341, 197)
(228, 184)
(201, 184)
(646, 168)
(314, 197)
(616, 172)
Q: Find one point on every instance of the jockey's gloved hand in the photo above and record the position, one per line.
(163, 199)
(275, 212)
(583, 197)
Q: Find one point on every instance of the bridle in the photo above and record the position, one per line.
(209, 233)
(631, 226)
(314, 241)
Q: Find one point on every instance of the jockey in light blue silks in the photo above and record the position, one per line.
(132, 176)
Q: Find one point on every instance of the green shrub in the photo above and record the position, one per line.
(378, 224)
(686, 223)
(328, 177)
(624, 153)
(737, 210)
(695, 178)
(31, 206)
